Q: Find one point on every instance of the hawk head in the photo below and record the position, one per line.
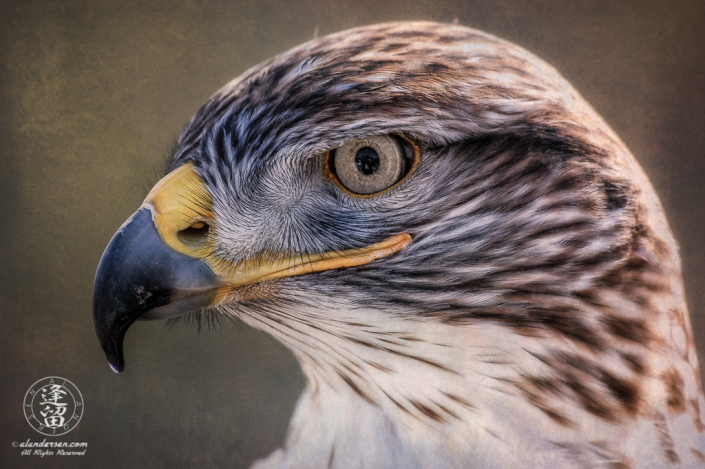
(467, 262)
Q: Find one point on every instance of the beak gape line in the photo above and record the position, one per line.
(151, 271)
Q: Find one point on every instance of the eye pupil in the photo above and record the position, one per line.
(367, 160)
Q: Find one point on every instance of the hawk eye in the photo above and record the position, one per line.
(370, 165)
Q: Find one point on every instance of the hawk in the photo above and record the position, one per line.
(469, 265)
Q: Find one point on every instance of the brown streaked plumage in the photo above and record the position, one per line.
(536, 318)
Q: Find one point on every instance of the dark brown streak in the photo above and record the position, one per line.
(379, 366)
(446, 410)
(674, 384)
(355, 388)
(427, 411)
(330, 458)
(556, 416)
(634, 330)
(589, 399)
(634, 362)
(699, 455)
(625, 391)
(492, 433)
(459, 400)
(665, 439)
(401, 354)
(344, 365)
(401, 407)
(699, 426)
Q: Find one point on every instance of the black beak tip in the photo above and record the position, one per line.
(114, 354)
(116, 363)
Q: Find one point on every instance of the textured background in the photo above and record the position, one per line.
(92, 98)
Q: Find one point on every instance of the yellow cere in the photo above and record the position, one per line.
(180, 201)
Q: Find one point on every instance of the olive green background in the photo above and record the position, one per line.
(92, 98)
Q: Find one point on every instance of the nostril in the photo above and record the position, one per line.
(196, 234)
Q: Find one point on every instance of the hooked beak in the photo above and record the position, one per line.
(140, 277)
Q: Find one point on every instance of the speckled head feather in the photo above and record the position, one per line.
(537, 319)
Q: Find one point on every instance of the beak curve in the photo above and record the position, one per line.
(141, 277)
